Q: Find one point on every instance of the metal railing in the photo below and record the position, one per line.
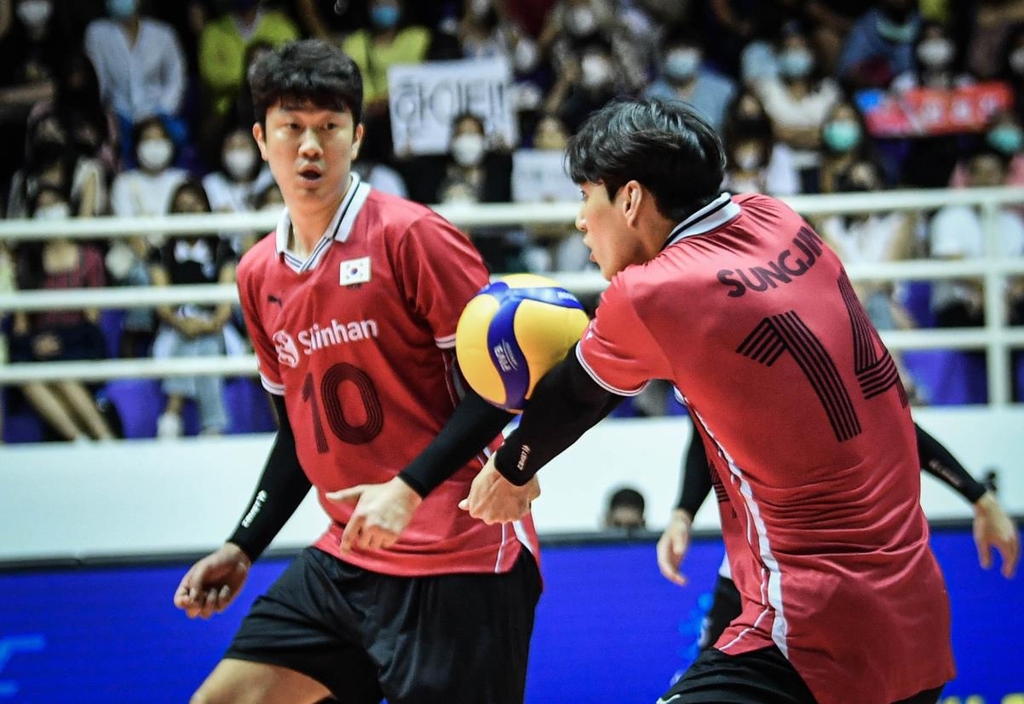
(995, 337)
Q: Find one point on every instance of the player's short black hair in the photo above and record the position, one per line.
(307, 71)
(664, 145)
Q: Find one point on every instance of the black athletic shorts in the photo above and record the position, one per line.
(725, 606)
(446, 639)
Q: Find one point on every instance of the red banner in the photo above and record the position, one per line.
(922, 112)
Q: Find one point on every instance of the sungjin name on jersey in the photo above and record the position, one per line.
(783, 269)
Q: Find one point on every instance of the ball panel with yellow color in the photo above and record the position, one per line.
(512, 333)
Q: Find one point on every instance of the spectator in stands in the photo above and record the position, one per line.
(7, 286)
(193, 330)
(573, 26)
(956, 232)
(483, 33)
(77, 104)
(585, 85)
(625, 510)
(223, 47)
(387, 42)
(62, 335)
(844, 140)
(1012, 66)
(996, 23)
(872, 238)
(146, 190)
(880, 45)
(53, 159)
(141, 71)
(683, 76)
(1005, 135)
(797, 101)
(240, 174)
(331, 20)
(29, 49)
(757, 162)
(374, 163)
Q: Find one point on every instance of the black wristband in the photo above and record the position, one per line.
(939, 462)
(696, 476)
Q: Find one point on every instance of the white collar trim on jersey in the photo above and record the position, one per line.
(337, 231)
(711, 217)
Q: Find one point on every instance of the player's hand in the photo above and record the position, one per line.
(213, 582)
(993, 528)
(494, 499)
(381, 514)
(673, 546)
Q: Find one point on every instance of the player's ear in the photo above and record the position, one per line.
(632, 197)
(357, 140)
(260, 137)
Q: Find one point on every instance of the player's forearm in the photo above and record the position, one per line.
(473, 425)
(696, 477)
(940, 463)
(281, 488)
(564, 405)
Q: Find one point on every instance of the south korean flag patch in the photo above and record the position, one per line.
(355, 271)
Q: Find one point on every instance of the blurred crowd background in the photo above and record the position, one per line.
(136, 107)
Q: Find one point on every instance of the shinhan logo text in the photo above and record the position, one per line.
(317, 337)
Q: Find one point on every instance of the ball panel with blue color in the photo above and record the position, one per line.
(512, 332)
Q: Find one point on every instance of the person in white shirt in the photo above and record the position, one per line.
(957, 232)
(798, 100)
(146, 190)
(141, 70)
(240, 175)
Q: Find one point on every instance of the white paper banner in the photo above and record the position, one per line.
(538, 176)
(425, 97)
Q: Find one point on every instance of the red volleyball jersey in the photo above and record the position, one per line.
(359, 340)
(806, 423)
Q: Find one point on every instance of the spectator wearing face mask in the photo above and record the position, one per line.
(574, 26)
(956, 232)
(52, 159)
(880, 46)
(193, 330)
(756, 161)
(223, 45)
(67, 407)
(797, 101)
(240, 174)
(388, 41)
(1005, 136)
(29, 50)
(996, 24)
(141, 71)
(146, 190)
(478, 172)
(683, 77)
(844, 141)
(586, 85)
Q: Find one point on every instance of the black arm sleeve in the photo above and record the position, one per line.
(281, 489)
(472, 426)
(939, 462)
(696, 476)
(565, 404)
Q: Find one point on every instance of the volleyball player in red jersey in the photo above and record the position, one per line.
(352, 306)
(740, 304)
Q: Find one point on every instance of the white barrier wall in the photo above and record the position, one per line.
(136, 497)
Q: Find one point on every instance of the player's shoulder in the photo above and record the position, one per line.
(399, 217)
(258, 257)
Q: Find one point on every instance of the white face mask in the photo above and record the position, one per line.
(239, 162)
(796, 63)
(1017, 60)
(681, 64)
(525, 56)
(596, 71)
(34, 13)
(57, 211)
(581, 21)
(935, 53)
(479, 8)
(748, 159)
(155, 154)
(468, 149)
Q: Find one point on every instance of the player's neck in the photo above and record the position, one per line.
(310, 221)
